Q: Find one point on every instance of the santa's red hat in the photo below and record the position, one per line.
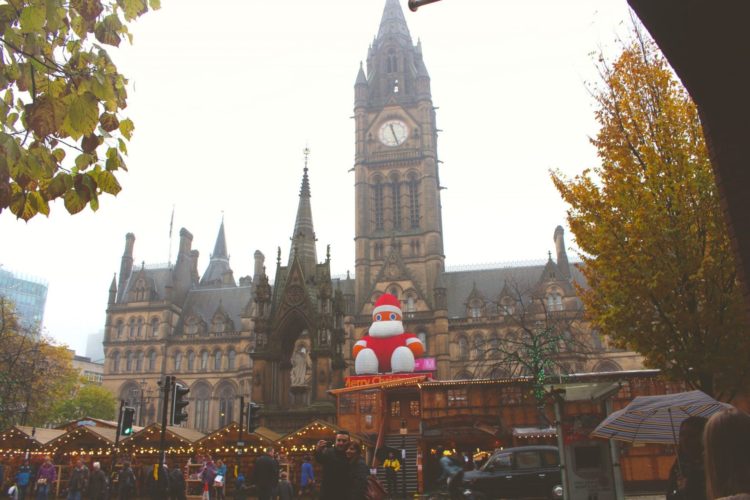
(387, 303)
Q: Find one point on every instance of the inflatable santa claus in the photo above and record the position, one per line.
(386, 348)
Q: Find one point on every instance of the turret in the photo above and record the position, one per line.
(126, 264)
(303, 238)
(562, 257)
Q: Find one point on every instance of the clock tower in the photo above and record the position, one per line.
(398, 233)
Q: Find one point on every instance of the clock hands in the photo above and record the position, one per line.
(393, 132)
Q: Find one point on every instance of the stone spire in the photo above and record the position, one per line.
(126, 265)
(303, 239)
(219, 272)
(562, 256)
(393, 23)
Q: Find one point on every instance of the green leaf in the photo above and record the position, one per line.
(107, 182)
(83, 115)
(32, 18)
(108, 30)
(35, 201)
(58, 186)
(83, 161)
(73, 202)
(155, 4)
(126, 128)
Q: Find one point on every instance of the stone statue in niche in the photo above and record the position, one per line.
(301, 373)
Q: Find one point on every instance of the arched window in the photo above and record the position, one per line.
(554, 302)
(463, 348)
(154, 327)
(476, 310)
(204, 360)
(391, 64)
(140, 327)
(202, 399)
(177, 361)
(230, 359)
(410, 303)
(131, 327)
(129, 361)
(396, 199)
(493, 351)
(151, 361)
(217, 361)
(116, 362)
(139, 362)
(478, 348)
(422, 336)
(191, 361)
(226, 405)
(120, 328)
(414, 202)
(378, 194)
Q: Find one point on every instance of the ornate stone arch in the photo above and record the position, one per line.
(226, 393)
(607, 365)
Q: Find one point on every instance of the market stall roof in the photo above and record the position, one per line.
(534, 432)
(226, 439)
(82, 440)
(88, 421)
(178, 440)
(388, 384)
(305, 438)
(18, 438)
(268, 434)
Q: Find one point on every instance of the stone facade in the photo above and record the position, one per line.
(461, 316)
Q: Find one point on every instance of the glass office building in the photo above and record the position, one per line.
(28, 294)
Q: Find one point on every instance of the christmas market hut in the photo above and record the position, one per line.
(16, 441)
(143, 445)
(294, 446)
(235, 447)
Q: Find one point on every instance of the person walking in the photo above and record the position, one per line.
(176, 483)
(126, 482)
(45, 479)
(266, 475)
(336, 481)
(285, 488)
(727, 453)
(452, 473)
(358, 472)
(306, 477)
(23, 480)
(392, 466)
(687, 477)
(98, 488)
(208, 474)
(220, 480)
(79, 481)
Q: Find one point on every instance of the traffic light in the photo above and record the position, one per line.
(179, 402)
(253, 419)
(126, 425)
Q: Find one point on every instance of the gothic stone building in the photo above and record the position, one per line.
(460, 316)
(284, 345)
(280, 346)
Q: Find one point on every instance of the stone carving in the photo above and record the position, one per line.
(301, 373)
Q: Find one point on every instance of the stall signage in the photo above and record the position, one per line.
(240, 443)
(360, 380)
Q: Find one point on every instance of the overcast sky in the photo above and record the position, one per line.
(225, 95)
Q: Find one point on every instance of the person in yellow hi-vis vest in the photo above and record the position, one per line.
(392, 466)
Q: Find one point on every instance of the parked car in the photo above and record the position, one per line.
(523, 472)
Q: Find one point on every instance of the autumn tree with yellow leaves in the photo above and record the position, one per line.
(62, 133)
(655, 248)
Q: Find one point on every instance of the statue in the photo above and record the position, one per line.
(301, 367)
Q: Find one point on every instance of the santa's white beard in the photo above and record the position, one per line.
(386, 328)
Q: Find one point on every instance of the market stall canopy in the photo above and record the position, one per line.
(303, 440)
(179, 440)
(225, 440)
(20, 438)
(88, 421)
(82, 440)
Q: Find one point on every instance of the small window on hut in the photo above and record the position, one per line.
(457, 398)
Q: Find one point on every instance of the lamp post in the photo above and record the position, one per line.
(404, 430)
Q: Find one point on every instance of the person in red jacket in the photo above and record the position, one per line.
(386, 347)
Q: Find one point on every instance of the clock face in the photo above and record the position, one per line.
(393, 133)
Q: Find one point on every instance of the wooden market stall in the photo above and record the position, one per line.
(237, 454)
(294, 446)
(87, 442)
